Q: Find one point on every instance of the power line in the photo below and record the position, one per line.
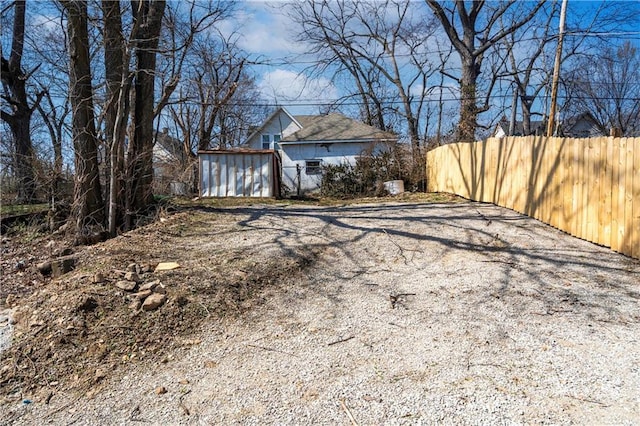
(384, 102)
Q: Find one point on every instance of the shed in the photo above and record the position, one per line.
(239, 173)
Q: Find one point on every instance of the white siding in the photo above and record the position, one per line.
(332, 153)
(237, 174)
(280, 124)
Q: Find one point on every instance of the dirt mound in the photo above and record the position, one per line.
(73, 332)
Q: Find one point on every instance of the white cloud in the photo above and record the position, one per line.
(262, 30)
(285, 85)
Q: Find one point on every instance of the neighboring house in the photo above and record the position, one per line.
(502, 128)
(581, 126)
(173, 169)
(305, 143)
(578, 126)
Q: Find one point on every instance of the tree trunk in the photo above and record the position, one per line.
(116, 108)
(20, 125)
(20, 121)
(468, 106)
(87, 210)
(463, 17)
(148, 14)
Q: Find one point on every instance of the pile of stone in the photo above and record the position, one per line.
(145, 295)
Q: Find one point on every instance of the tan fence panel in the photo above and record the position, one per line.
(589, 188)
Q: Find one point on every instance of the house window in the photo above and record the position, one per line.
(265, 142)
(276, 139)
(312, 167)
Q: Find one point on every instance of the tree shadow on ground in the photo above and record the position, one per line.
(521, 247)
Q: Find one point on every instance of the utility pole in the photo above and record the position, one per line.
(556, 71)
(514, 105)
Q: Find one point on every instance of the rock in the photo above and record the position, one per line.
(87, 304)
(44, 268)
(154, 301)
(20, 265)
(10, 300)
(143, 294)
(166, 266)
(63, 252)
(150, 285)
(132, 276)
(160, 390)
(133, 267)
(184, 382)
(63, 265)
(98, 278)
(100, 374)
(19, 316)
(160, 289)
(126, 285)
(146, 269)
(135, 304)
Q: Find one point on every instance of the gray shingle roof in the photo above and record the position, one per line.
(335, 127)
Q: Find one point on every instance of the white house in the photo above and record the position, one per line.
(307, 142)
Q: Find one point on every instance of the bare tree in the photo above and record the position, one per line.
(18, 113)
(531, 49)
(117, 55)
(608, 86)
(147, 18)
(216, 104)
(47, 46)
(381, 46)
(473, 28)
(87, 210)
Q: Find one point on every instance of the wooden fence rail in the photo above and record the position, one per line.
(589, 188)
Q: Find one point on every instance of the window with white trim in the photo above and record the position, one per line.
(276, 139)
(265, 142)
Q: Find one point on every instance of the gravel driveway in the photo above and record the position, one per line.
(460, 313)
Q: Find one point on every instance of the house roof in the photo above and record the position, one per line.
(536, 126)
(335, 127)
(572, 121)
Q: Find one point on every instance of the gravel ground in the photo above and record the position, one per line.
(411, 314)
(5, 329)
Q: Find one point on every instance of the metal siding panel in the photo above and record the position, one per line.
(221, 174)
(255, 176)
(240, 176)
(264, 174)
(248, 183)
(203, 183)
(206, 177)
(210, 182)
(231, 176)
(269, 177)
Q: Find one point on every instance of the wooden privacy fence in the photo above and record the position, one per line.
(589, 188)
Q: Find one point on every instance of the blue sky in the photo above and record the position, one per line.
(267, 34)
